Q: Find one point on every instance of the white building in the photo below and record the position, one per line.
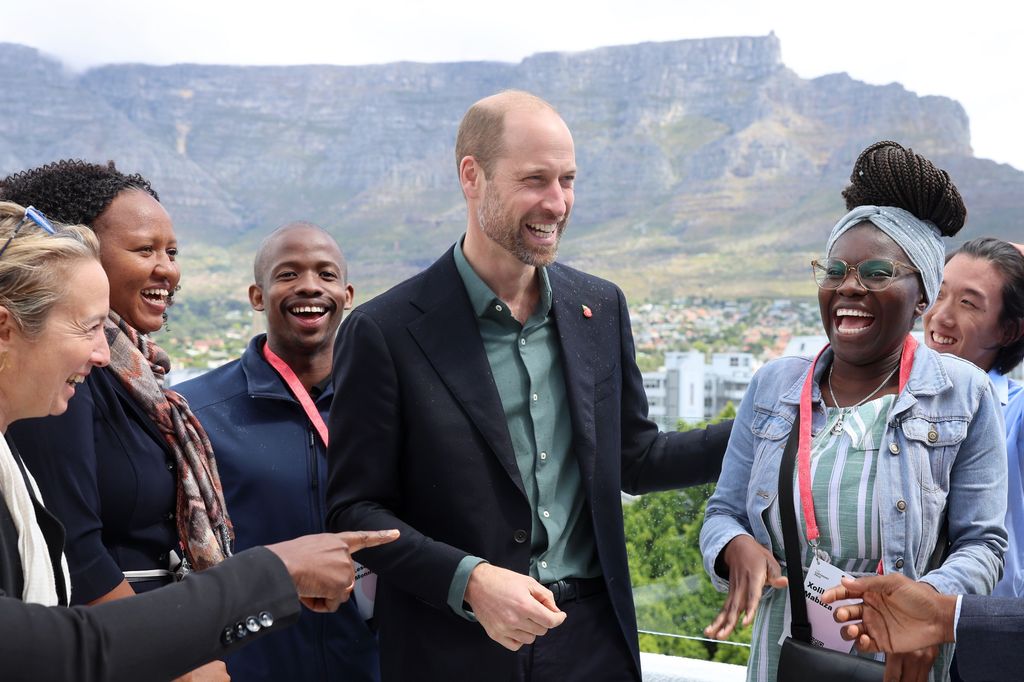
(805, 346)
(808, 346)
(690, 389)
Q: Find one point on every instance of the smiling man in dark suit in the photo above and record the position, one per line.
(491, 409)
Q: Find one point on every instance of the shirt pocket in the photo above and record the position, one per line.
(933, 444)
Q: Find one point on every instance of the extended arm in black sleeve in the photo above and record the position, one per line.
(661, 461)
(158, 635)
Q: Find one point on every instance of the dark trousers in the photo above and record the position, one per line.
(587, 647)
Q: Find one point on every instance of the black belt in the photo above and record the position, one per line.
(571, 589)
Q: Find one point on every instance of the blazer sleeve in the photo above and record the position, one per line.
(364, 464)
(153, 636)
(653, 460)
(988, 639)
(60, 451)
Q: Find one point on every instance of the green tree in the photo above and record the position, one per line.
(672, 592)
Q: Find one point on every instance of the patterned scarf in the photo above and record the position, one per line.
(203, 524)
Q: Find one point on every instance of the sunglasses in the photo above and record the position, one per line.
(32, 215)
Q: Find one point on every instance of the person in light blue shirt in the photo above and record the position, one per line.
(979, 316)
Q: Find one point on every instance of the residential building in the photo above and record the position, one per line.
(689, 388)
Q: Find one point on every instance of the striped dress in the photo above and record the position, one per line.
(843, 483)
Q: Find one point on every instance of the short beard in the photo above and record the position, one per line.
(502, 228)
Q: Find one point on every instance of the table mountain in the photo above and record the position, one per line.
(703, 164)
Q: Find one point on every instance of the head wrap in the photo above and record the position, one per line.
(919, 239)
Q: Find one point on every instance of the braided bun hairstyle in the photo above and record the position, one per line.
(886, 174)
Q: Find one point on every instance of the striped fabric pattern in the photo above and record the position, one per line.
(843, 482)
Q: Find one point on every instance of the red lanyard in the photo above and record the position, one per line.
(803, 452)
(298, 390)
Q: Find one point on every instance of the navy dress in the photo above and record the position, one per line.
(103, 469)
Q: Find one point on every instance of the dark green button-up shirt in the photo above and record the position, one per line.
(526, 364)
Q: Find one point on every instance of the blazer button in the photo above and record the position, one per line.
(251, 624)
(240, 630)
(899, 563)
(266, 619)
(228, 636)
(519, 536)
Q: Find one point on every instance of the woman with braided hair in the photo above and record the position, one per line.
(895, 468)
(127, 468)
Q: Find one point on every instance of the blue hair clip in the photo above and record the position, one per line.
(33, 214)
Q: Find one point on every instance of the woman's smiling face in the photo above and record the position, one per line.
(866, 326)
(138, 251)
(46, 368)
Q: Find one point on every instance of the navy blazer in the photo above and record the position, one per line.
(988, 639)
(105, 471)
(419, 442)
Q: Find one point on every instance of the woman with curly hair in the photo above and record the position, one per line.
(127, 468)
(894, 450)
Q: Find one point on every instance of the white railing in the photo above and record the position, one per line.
(659, 668)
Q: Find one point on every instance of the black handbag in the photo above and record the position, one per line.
(802, 661)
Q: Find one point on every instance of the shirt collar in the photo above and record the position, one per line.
(321, 388)
(483, 299)
(263, 380)
(1002, 385)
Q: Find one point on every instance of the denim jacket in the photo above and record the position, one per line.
(942, 458)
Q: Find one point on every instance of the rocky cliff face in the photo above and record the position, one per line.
(685, 149)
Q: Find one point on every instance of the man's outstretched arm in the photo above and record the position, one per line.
(900, 615)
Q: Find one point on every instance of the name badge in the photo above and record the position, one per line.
(825, 631)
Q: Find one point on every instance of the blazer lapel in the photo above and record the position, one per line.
(449, 337)
(576, 334)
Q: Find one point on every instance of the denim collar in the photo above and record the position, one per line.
(927, 377)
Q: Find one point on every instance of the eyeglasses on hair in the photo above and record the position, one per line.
(32, 215)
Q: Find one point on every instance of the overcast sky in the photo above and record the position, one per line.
(970, 51)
